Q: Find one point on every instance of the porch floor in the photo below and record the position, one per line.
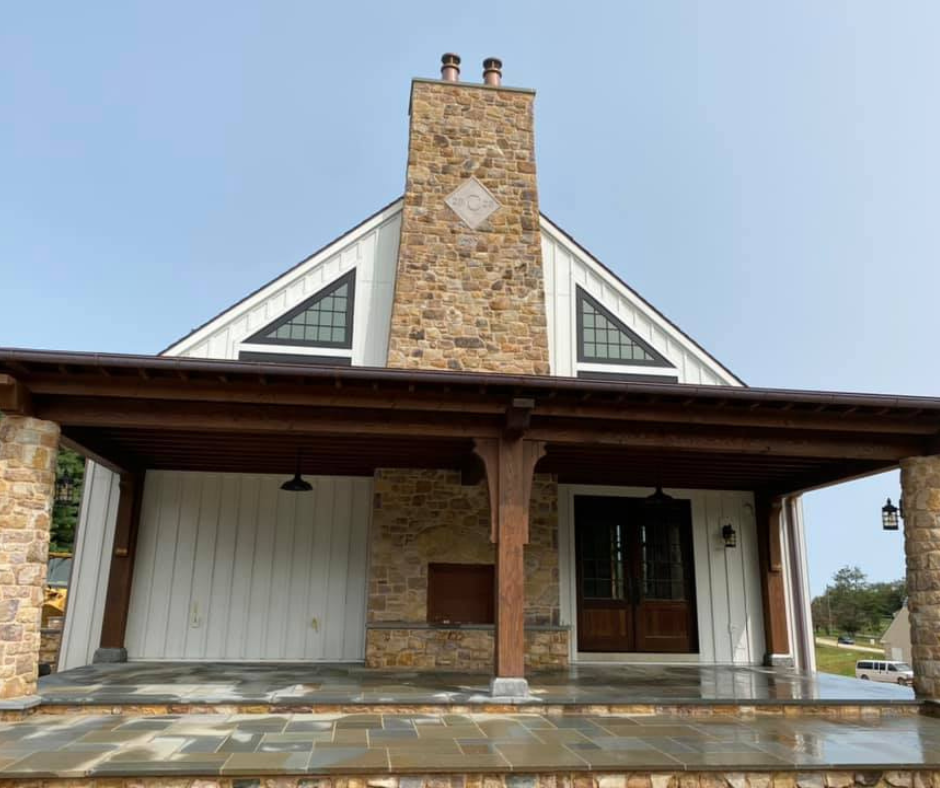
(77, 745)
(192, 683)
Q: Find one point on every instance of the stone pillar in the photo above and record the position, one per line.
(920, 483)
(28, 449)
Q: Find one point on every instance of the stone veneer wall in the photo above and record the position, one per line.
(427, 516)
(470, 299)
(920, 482)
(28, 449)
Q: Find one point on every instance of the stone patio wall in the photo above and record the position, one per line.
(427, 516)
(715, 778)
(28, 449)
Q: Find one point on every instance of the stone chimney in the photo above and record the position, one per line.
(469, 293)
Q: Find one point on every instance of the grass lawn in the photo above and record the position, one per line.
(838, 660)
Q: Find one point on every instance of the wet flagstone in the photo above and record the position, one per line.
(298, 684)
(85, 745)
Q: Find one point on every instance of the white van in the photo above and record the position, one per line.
(891, 672)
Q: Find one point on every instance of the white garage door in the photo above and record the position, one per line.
(229, 567)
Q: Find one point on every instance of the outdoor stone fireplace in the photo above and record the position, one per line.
(422, 517)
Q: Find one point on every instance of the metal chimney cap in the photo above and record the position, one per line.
(492, 71)
(450, 67)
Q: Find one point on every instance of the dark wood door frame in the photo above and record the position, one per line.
(630, 621)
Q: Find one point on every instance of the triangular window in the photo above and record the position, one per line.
(603, 339)
(323, 320)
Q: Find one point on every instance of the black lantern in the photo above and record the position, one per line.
(65, 488)
(729, 535)
(889, 516)
(298, 483)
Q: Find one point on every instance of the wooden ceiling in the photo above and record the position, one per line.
(138, 412)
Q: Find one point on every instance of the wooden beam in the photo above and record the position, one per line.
(15, 399)
(260, 419)
(124, 551)
(519, 416)
(510, 465)
(719, 441)
(773, 591)
(278, 392)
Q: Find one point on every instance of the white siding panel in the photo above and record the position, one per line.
(567, 266)
(727, 583)
(230, 567)
(91, 567)
(371, 250)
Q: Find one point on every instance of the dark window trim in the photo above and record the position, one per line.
(259, 338)
(658, 360)
(629, 377)
(295, 358)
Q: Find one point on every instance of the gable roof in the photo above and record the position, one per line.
(391, 209)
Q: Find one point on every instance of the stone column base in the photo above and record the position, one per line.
(510, 689)
(778, 661)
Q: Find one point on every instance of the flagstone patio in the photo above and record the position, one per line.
(193, 745)
(321, 684)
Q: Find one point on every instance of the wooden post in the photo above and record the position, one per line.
(773, 593)
(510, 464)
(123, 551)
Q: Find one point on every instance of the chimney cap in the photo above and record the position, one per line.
(492, 71)
(450, 67)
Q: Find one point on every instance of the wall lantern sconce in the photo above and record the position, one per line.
(65, 489)
(729, 535)
(298, 483)
(890, 515)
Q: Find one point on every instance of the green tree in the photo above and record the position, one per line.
(851, 604)
(65, 512)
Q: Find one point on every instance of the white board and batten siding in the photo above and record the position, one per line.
(91, 566)
(229, 567)
(371, 249)
(727, 584)
(566, 267)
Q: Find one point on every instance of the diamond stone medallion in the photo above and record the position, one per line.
(472, 202)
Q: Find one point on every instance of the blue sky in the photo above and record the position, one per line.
(766, 174)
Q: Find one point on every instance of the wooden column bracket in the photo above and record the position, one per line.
(510, 465)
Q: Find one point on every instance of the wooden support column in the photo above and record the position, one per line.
(510, 464)
(773, 592)
(117, 601)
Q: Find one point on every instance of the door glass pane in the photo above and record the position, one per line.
(602, 553)
(662, 565)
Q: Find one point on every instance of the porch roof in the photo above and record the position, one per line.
(139, 412)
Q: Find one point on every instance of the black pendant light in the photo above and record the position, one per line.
(298, 483)
(658, 498)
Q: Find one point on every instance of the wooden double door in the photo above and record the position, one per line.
(636, 584)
